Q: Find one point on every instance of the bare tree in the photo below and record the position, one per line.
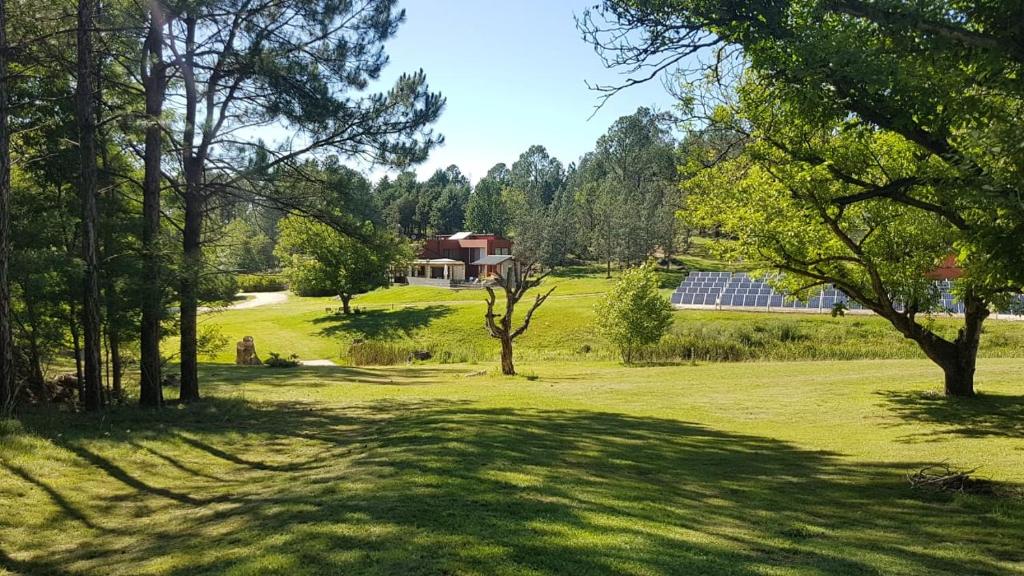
(523, 278)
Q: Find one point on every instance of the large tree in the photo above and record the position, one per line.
(154, 70)
(538, 175)
(320, 260)
(782, 206)
(936, 81)
(85, 116)
(300, 63)
(486, 211)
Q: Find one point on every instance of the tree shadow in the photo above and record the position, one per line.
(326, 376)
(447, 487)
(982, 416)
(381, 324)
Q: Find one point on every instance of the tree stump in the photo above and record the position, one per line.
(245, 353)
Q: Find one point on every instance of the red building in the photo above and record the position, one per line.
(461, 257)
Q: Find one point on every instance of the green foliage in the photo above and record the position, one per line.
(261, 282)
(319, 260)
(633, 314)
(486, 211)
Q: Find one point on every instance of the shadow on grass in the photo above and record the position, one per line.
(446, 487)
(227, 376)
(381, 324)
(982, 416)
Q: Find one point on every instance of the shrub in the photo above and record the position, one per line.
(275, 360)
(261, 283)
(633, 314)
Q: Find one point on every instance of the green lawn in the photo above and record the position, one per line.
(449, 323)
(591, 468)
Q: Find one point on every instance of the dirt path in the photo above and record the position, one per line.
(257, 299)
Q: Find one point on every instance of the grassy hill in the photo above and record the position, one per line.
(449, 324)
(721, 469)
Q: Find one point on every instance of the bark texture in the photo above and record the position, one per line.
(155, 83)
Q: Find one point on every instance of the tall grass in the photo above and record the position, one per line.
(790, 340)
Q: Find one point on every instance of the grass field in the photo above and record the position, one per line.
(449, 323)
(741, 468)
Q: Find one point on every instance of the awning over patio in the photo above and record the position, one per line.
(492, 260)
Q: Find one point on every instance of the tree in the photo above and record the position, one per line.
(633, 314)
(297, 62)
(538, 175)
(154, 71)
(7, 385)
(85, 115)
(320, 260)
(782, 202)
(524, 277)
(923, 86)
(486, 211)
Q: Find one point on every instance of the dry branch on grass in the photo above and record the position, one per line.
(946, 478)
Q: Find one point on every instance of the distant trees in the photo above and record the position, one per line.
(634, 314)
(626, 191)
(486, 211)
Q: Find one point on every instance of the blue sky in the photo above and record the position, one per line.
(513, 73)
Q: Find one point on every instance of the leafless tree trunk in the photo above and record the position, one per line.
(6, 338)
(500, 325)
(85, 113)
(154, 76)
(194, 167)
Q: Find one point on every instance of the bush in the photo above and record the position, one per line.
(261, 283)
(275, 360)
(633, 314)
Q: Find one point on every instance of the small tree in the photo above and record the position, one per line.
(521, 279)
(633, 314)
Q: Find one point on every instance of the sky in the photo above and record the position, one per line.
(514, 75)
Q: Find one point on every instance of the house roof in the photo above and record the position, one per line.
(491, 260)
(438, 261)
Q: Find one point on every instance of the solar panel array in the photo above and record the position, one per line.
(739, 290)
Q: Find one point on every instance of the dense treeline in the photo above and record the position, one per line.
(618, 205)
(133, 184)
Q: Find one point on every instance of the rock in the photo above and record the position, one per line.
(245, 353)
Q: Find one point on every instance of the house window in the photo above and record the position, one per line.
(502, 252)
(448, 253)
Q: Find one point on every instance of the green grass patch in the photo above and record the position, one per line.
(583, 468)
(449, 324)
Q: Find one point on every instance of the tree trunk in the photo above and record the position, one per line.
(345, 299)
(6, 336)
(76, 345)
(150, 390)
(116, 366)
(189, 391)
(608, 269)
(957, 359)
(507, 367)
(85, 113)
